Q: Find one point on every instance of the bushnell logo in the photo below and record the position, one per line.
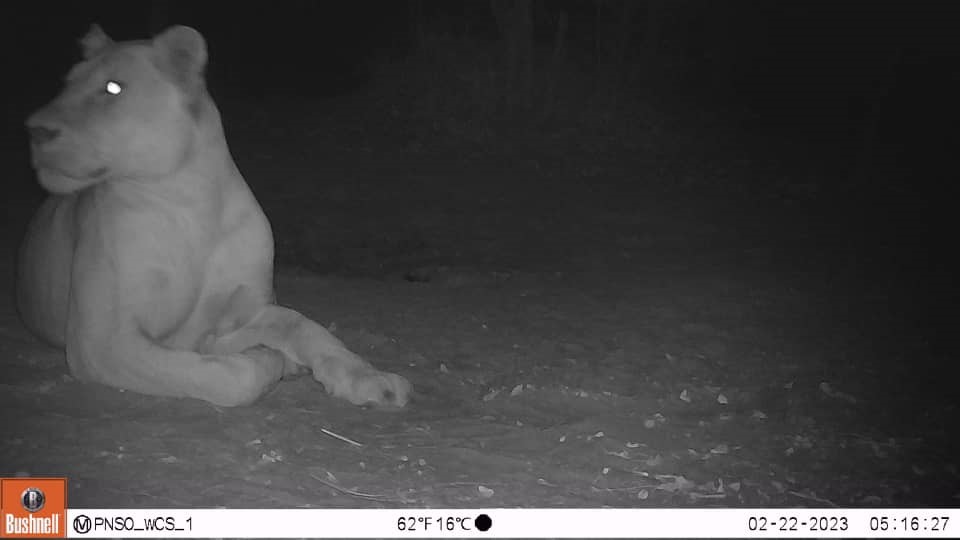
(32, 499)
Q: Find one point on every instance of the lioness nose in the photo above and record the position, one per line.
(42, 134)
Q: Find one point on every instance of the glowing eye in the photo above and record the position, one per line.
(113, 88)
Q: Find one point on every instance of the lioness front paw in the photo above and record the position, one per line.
(376, 388)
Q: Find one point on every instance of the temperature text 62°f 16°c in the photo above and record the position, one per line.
(434, 523)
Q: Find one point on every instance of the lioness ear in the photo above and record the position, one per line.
(182, 53)
(95, 41)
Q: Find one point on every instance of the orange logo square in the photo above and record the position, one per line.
(33, 507)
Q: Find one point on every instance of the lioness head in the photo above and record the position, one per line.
(129, 110)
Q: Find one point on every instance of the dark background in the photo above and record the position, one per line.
(825, 75)
(843, 112)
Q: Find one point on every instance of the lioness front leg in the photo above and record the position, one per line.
(343, 373)
(131, 361)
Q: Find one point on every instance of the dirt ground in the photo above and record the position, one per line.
(576, 338)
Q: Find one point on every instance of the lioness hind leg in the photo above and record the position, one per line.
(43, 269)
(306, 343)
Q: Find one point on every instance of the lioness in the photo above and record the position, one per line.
(151, 263)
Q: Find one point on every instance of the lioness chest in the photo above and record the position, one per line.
(149, 254)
